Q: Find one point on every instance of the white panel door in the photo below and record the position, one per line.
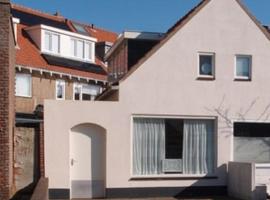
(87, 157)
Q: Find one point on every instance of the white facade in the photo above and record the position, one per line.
(167, 85)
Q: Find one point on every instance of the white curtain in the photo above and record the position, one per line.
(148, 146)
(198, 147)
(23, 85)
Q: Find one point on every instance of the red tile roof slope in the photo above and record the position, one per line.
(28, 53)
(37, 13)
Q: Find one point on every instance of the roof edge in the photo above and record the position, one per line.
(254, 19)
(171, 32)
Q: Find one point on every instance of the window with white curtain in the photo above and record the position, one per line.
(23, 85)
(52, 42)
(85, 92)
(81, 49)
(181, 146)
(60, 89)
(243, 67)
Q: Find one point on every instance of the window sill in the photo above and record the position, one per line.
(174, 177)
(24, 96)
(242, 79)
(201, 77)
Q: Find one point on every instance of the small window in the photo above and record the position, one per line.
(85, 92)
(243, 67)
(23, 85)
(206, 65)
(60, 89)
(77, 91)
(52, 42)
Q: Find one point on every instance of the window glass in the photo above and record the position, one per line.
(55, 43)
(79, 49)
(60, 89)
(23, 85)
(243, 66)
(47, 41)
(163, 146)
(88, 52)
(52, 42)
(73, 47)
(251, 142)
(77, 91)
(206, 65)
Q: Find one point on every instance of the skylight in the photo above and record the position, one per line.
(80, 28)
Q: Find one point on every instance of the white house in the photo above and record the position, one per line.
(198, 100)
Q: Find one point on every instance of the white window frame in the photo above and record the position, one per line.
(79, 86)
(30, 85)
(50, 50)
(201, 76)
(84, 58)
(132, 176)
(63, 83)
(235, 67)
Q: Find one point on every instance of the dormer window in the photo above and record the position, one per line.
(63, 43)
(81, 49)
(52, 42)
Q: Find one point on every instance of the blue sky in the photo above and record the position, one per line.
(141, 15)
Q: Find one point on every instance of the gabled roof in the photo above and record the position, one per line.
(28, 53)
(182, 22)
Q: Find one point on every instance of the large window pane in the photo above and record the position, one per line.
(149, 146)
(252, 142)
(163, 146)
(198, 147)
(23, 85)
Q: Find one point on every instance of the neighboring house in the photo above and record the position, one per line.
(56, 58)
(198, 100)
(129, 48)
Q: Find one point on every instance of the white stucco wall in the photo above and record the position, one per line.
(166, 85)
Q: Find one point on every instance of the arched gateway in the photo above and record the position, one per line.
(87, 161)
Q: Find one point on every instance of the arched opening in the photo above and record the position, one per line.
(87, 161)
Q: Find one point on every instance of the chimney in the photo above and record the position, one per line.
(57, 14)
(7, 68)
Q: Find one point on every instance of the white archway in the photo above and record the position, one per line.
(87, 161)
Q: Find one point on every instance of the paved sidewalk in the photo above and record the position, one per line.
(164, 198)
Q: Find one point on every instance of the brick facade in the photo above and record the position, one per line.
(7, 58)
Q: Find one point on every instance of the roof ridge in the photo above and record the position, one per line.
(37, 12)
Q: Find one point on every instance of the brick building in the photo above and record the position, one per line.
(7, 58)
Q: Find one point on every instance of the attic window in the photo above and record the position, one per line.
(206, 65)
(80, 29)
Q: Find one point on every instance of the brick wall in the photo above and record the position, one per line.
(7, 58)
